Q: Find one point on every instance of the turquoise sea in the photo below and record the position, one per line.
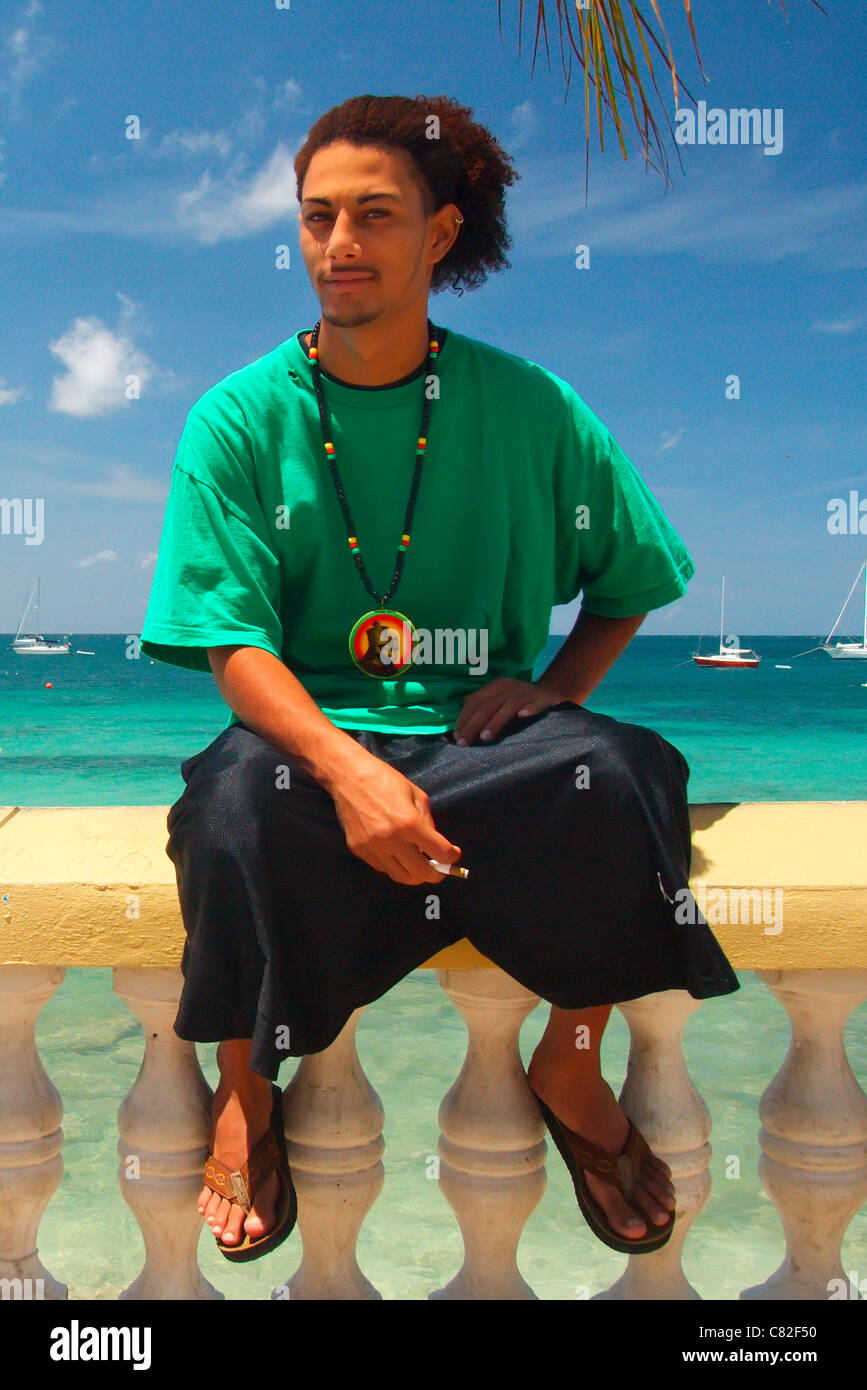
(113, 731)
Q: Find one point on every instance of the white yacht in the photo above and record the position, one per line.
(33, 643)
(850, 649)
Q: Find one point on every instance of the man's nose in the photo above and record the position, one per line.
(342, 234)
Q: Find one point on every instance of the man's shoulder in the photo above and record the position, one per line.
(513, 371)
(246, 392)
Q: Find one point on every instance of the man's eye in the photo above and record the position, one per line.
(313, 216)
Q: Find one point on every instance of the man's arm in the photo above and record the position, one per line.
(385, 817)
(589, 651)
(272, 702)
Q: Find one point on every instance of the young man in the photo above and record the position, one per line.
(373, 732)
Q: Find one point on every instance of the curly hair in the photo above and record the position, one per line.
(461, 164)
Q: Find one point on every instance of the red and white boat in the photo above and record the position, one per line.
(729, 654)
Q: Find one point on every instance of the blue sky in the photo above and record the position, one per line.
(156, 256)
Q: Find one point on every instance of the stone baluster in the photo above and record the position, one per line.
(814, 1132)
(30, 1135)
(661, 1100)
(491, 1146)
(164, 1125)
(333, 1122)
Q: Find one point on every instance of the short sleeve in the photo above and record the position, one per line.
(615, 545)
(217, 578)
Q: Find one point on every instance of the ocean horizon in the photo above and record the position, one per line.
(113, 730)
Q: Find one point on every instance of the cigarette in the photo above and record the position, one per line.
(454, 869)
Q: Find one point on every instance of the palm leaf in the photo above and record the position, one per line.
(604, 46)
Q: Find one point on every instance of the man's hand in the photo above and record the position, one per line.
(387, 822)
(488, 709)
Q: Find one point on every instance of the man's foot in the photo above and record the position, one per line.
(239, 1119)
(594, 1113)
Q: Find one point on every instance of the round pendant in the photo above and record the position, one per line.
(381, 643)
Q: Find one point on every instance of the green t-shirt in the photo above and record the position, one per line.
(525, 500)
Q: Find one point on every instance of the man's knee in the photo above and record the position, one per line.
(230, 793)
(617, 754)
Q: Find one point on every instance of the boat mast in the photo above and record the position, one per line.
(26, 611)
(843, 609)
(721, 616)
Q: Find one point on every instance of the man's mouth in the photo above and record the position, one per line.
(348, 276)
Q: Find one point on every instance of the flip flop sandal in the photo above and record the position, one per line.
(241, 1185)
(623, 1171)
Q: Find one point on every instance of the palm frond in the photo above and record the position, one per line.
(604, 46)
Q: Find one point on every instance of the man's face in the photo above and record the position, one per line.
(386, 242)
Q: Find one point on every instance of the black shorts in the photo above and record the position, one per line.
(572, 887)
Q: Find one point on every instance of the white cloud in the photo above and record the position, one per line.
(188, 144)
(147, 561)
(670, 439)
(826, 486)
(99, 558)
(219, 209)
(818, 438)
(238, 135)
(128, 307)
(842, 326)
(10, 395)
(525, 123)
(722, 214)
(623, 344)
(23, 52)
(98, 363)
(250, 125)
(118, 484)
(288, 95)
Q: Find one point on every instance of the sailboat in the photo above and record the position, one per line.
(34, 644)
(850, 649)
(727, 655)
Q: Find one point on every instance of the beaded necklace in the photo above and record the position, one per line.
(381, 641)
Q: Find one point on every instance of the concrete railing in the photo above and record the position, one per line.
(87, 886)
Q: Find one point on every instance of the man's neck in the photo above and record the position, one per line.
(373, 354)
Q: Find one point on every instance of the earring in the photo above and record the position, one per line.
(458, 217)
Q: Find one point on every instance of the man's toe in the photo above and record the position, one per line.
(232, 1234)
(212, 1208)
(650, 1205)
(624, 1218)
(263, 1215)
(661, 1193)
(221, 1216)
